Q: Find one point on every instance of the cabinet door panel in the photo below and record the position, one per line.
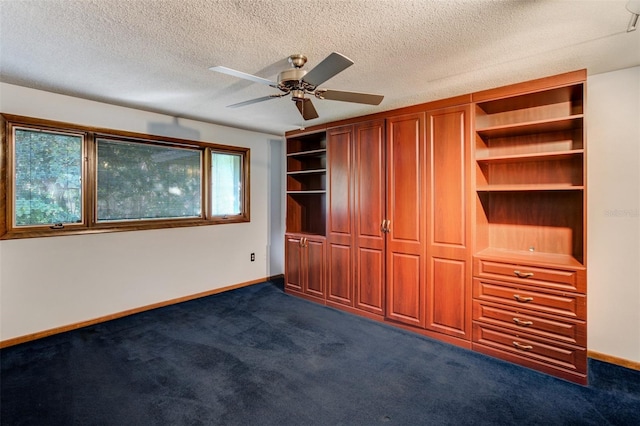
(293, 254)
(315, 268)
(448, 149)
(406, 212)
(340, 221)
(369, 179)
(340, 272)
(448, 222)
(404, 293)
(370, 288)
(446, 299)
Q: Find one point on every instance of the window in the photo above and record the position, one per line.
(48, 178)
(226, 184)
(60, 178)
(139, 181)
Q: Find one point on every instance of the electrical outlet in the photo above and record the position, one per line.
(253, 257)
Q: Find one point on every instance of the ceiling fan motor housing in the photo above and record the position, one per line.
(291, 79)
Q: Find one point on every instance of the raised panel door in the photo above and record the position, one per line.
(406, 219)
(293, 272)
(449, 268)
(340, 220)
(315, 268)
(369, 241)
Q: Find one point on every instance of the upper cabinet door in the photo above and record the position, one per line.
(406, 218)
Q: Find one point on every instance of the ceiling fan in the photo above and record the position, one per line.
(298, 83)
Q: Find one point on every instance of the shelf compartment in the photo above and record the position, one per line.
(306, 181)
(307, 162)
(547, 223)
(547, 143)
(532, 127)
(545, 105)
(541, 171)
(307, 144)
(306, 212)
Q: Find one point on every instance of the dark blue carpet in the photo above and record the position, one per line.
(256, 356)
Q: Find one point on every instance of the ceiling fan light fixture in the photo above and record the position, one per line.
(633, 6)
(298, 82)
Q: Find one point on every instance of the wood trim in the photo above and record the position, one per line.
(89, 223)
(634, 365)
(46, 333)
(427, 106)
(545, 83)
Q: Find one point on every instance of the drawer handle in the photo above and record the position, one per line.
(519, 322)
(523, 274)
(522, 347)
(522, 299)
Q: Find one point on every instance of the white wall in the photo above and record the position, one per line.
(56, 281)
(613, 232)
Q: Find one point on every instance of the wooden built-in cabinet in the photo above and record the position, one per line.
(462, 219)
(529, 290)
(356, 207)
(306, 215)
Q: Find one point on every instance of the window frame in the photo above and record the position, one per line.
(90, 223)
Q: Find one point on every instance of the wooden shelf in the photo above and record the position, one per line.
(539, 156)
(315, 191)
(311, 153)
(532, 127)
(307, 172)
(519, 188)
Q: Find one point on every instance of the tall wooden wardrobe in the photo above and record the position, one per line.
(461, 219)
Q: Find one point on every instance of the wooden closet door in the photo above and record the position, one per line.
(448, 297)
(406, 213)
(369, 244)
(340, 220)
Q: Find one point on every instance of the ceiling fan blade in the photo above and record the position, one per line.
(330, 66)
(253, 101)
(306, 108)
(244, 75)
(340, 95)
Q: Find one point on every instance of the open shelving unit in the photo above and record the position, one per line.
(306, 183)
(529, 156)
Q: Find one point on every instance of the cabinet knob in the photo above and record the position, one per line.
(522, 347)
(521, 323)
(522, 299)
(523, 274)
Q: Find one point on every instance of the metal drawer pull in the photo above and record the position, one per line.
(522, 347)
(518, 321)
(523, 274)
(522, 299)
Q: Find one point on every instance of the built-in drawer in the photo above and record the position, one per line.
(558, 279)
(527, 297)
(520, 320)
(528, 347)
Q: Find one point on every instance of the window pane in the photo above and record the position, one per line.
(48, 170)
(141, 181)
(226, 184)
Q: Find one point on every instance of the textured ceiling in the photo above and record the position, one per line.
(155, 54)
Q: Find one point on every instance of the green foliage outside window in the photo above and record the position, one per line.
(140, 181)
(48, 171)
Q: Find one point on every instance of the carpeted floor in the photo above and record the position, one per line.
(256, 356)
